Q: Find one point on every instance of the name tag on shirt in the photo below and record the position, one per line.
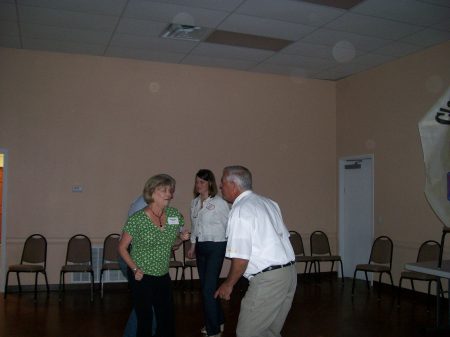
(172, 220)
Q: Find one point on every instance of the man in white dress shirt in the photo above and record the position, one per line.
(259, 249)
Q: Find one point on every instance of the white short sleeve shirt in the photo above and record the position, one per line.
(256, 232)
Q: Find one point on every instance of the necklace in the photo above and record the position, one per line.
(159, 217)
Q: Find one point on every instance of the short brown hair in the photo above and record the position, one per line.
(154, 182)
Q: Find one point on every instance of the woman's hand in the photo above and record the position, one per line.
(124, 242)
(138, 274)
(185, 235)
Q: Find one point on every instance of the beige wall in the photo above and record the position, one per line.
(107, 124)
(378, 112)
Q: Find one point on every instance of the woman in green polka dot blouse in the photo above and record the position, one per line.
(153, 231)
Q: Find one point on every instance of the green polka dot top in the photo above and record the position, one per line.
(151, 246)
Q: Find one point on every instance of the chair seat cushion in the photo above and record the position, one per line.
(76, 268)
(31, 268)
(378, 268)
(190, 263)
(301, 258)
(111, 266)
(417, 276)
(328, 258)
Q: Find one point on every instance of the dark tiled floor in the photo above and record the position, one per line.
(320, 309)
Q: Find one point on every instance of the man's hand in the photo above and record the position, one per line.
(224, 291)
(237, 269)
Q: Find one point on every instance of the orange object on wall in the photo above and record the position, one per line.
(1, 197)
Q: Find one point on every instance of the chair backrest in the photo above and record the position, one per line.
(110, 245)
(382, 251)
(429, 251)
(186, 246)
(319, 243)
(79, 250)
(173, 257)
(35, 250)
(297, 243)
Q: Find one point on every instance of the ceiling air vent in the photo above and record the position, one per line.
(184, 32)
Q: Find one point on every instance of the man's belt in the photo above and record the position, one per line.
(277, 266)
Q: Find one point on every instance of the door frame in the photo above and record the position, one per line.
(342, 162)
(3, 265)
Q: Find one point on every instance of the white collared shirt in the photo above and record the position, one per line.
(256, 232)
(209, 221)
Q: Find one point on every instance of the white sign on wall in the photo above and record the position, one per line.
(434, 131)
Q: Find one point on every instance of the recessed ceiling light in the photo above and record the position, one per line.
(247, 40)
(344, 4)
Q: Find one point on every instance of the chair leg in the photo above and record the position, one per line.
(183, 278)
(64, 282)
(35, 285)
(176, 275)
(342, 272)
(440, 287)
(379, 285)
(6, 285)
(46, 282)
(18, 282)
(367, 280)
(429, 295)
(412, 285)
(353, 282)
(101, 284)
(178, 282)
(60, 288)
(192, 279)
(399, 293)
(92, 285)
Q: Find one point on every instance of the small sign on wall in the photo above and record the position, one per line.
(77, 188)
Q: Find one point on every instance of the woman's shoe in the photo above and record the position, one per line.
(203, 330)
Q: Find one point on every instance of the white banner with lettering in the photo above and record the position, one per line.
(434, 131)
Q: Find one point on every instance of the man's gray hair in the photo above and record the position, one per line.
(240, 175)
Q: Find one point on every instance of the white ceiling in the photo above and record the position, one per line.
(329, 43)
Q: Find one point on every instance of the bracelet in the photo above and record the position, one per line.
(134, 270)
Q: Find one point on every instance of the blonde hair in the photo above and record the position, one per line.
(154, 182)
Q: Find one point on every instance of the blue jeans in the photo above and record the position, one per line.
(210, 256)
